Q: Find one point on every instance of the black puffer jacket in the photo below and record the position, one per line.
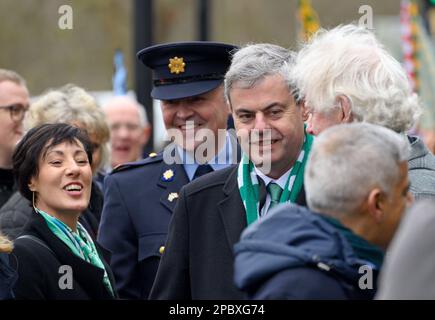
(17, 211)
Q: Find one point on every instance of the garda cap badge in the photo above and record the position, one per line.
(168, 175)
(176, 65)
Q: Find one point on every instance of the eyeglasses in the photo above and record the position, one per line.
(129, 126)
(16, 111)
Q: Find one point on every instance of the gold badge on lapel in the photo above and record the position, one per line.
(172, 196)
(176, 65)
(152, 155)
(168, 175)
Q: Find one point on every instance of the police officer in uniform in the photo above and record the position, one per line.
(140, 196)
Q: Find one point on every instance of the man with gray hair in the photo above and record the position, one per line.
(345, 75)
(213, 210)
(356, 183)
(14, 103)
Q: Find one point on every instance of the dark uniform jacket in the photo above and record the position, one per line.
(207, 222)
(139, 200)
(39, 268)
(134, 224)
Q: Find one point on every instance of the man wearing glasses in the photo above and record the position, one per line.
(129, 129)
(14, 103)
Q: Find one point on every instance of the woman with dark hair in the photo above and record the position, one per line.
(56, 257)
(72, 105)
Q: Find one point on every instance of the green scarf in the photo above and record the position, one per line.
(362, 248)
(249, 187)
(80, 243)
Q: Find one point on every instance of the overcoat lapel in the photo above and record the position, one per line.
(231, 210)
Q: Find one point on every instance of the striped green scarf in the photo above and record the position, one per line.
(248, 182)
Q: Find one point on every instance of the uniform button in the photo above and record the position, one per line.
(162, 249)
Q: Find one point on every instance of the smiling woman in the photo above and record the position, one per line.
(52, 167)
(72, 105)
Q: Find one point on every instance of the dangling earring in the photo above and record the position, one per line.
(33, 200)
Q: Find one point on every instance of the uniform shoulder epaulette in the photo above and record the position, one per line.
(152, 158)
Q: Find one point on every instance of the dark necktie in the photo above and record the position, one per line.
(275, 193)
(201, 170)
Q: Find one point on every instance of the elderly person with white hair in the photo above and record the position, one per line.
(345, 75)
(356, 183)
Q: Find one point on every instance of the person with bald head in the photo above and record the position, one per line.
(129, 129)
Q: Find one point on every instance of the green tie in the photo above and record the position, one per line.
(275, 193)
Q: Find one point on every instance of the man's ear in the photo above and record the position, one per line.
(346, 109)
(375, 204)
(305, 111)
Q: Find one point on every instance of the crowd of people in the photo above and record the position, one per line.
(303, 199)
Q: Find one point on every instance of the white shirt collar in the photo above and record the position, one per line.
(225, 154)
(281, 181)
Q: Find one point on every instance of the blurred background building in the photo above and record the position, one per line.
(47, 56)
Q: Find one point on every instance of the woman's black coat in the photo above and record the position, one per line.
(43, 273)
